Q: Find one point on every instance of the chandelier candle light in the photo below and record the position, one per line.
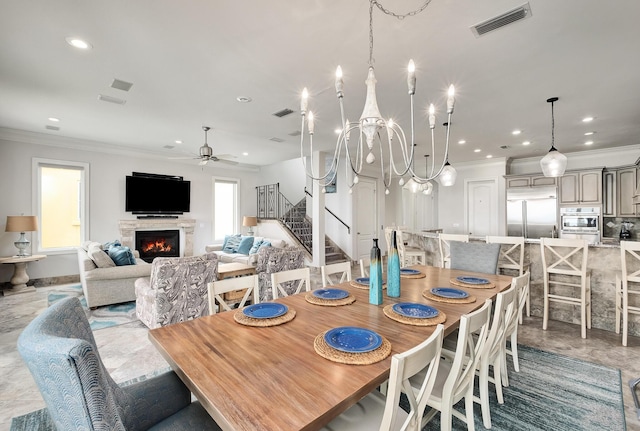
(373, 129)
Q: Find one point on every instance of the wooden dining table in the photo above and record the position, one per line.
(271, 378)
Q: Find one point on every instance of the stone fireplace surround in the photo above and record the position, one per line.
(185, 226)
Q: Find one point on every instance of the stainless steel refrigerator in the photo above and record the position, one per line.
(532, 212)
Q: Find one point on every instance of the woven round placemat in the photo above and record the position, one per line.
(364, 286)
(243, 319)
(391, 314)
(311, 298)
(421, 275)
(427, 294)
(365, 358)
(488, 285)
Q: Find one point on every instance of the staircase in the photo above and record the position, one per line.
(273, 205)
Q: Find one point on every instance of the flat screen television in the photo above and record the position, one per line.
(157, 194)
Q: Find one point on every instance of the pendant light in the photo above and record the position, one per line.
(554, 163)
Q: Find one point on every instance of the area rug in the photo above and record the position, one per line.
(102, 317)
(551, 392)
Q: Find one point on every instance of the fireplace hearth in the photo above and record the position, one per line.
(157, 243)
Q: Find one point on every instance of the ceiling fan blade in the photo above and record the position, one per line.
(226, 156)
(228, 162)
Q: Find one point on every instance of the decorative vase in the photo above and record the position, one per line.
(393, 269)
(375, 275)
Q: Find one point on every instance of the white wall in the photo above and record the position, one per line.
(290, 174)
(106, 192)
(451, 201)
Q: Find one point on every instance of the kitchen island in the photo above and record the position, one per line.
(603, 261)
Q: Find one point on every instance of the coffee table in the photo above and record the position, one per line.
(228, 270)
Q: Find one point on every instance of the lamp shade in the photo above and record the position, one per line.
(21, 223)
(553, 164)
(249, 221)
(448, 175)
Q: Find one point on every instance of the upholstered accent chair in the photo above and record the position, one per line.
(176, 291)
(272, 260)
(60, 351)
(474, 256)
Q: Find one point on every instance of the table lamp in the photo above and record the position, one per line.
(250, 222)
(22, 224)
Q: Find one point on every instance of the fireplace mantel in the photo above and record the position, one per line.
(186, 227)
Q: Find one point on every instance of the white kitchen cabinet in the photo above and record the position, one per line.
(581, 187)
(627, 182)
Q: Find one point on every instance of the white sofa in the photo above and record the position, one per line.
(109, 284)
(246, 259)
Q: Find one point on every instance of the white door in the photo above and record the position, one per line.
(366, 215)
(482, 205)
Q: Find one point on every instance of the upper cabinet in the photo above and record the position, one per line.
(529, 181)
(627, 182)
(582, 187)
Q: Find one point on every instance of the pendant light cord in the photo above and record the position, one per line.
(553, 126)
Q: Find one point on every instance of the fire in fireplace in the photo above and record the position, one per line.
(157, 243)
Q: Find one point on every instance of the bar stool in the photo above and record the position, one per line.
(443, 244)
(562, 261)
(512, 259)
(408, 255)
(630, 277)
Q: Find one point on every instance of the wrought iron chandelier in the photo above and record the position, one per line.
(373, 129)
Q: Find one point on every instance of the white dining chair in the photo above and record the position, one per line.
(284, 282)
(492, 354)
(456, 373)
(377, 412)
(522, 284)
(341, 268)
(512, 259)
(443, 245)
(627, 283)
(564, 261)
(365, 263)
(217, 290)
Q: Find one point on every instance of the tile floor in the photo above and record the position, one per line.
(127, 353)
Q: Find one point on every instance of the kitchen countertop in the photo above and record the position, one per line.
(605, 243)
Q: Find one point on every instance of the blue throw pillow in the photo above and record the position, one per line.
(246, 242)
(108, 245)
(256, 244)
(231, 244)
(121, 255)
(265, 244)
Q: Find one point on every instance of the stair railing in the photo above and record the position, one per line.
(330, 212)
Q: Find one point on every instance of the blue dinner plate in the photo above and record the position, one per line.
(330, 293)
(415, 310)
(266, 310)
(449, 292)
(408, 271)
(472, 280)
(362, 280)
(353, 339)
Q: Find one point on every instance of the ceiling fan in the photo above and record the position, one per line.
(205, 153)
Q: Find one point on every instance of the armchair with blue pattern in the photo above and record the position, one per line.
(60, 351)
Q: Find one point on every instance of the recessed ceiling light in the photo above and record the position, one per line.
(462, 141)
(526, 143)
(516, 132)
(78, 43)
(477, 150)
(54, 119)
(589, 143)
(489, 156)
(243, 99)
(589, 133)
(245, 154)
(178, 141)
(587, 119)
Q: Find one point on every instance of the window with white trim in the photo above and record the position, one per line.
(225, 207)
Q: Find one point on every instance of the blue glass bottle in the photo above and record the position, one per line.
(393, 269)
(375, 275)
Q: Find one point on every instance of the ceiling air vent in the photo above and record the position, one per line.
(283, 113)
(111, 99)
(507, 18)
(121, 85)
(49, 127)
(296, 133)
(274, 139)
